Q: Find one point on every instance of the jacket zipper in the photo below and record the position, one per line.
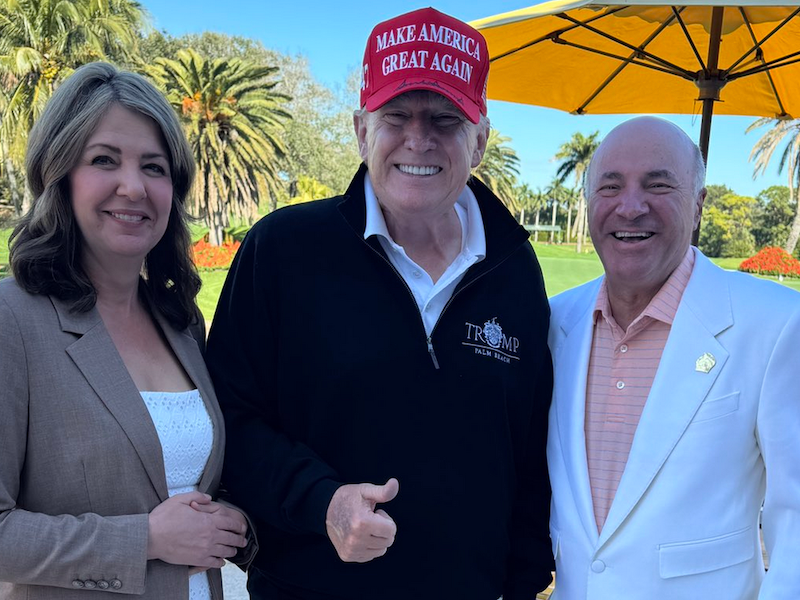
(428, 339)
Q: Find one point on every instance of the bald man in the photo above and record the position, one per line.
(675, 413)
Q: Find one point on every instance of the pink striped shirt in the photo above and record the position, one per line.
(622, 367)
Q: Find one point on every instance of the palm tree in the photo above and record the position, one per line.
(575, 156)
(557, 194)
(8, 169)
(42, 42)
(528, 199)
(788, 132)
(499, 169)
(233, 120)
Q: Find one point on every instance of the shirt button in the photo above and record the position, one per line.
(598, 566)
(623, 348)
(620, 385)
(417, 274)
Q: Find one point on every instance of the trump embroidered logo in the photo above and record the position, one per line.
(490, 340)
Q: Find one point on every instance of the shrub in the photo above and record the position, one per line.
(208, 257)
(772, 261)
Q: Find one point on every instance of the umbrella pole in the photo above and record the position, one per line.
(709, 90)
(705, 137)
(705, 128)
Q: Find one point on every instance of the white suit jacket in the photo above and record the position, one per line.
(709, 449)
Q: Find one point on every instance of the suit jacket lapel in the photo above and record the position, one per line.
(570, 402)
(678, 388)
(95, 355)
(188, 353)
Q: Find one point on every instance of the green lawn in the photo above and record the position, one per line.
(4, 233)
(209, 294)
(562, 268)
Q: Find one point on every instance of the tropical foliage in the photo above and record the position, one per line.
(575, 156)
(307, 189)
(319, 140)
(559, 196)
(530, 201)
(784, 133)
(43, 41)
(233, 117)
(235, 98)
(499, 169)
(773, 216)
(727, 226)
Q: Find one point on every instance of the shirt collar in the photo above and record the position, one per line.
(473, 238)
(664, 305)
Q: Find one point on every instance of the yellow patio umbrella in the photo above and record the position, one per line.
(644, 56)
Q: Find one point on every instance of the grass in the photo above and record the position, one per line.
(4, 233)
(209, 294)
(562, 268)
(731, 264)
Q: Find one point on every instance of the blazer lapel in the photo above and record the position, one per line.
(572, 361)
(95, 355)
(188, 353)
(678, 389)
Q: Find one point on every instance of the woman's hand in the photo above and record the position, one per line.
(190, 529)
(223, 510)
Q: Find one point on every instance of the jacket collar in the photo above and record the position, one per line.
(96, 356)
(678, 389)
(503, 233)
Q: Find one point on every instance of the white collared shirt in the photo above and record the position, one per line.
(430, 297)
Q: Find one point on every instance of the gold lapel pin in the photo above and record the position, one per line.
(705, 363)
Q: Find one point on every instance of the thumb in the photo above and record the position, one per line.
(381, 493)
(189, 497)
(206, 508)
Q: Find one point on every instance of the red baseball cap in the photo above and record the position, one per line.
(426, 50)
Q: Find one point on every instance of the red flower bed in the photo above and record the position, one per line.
(772, 261)
(207, 256)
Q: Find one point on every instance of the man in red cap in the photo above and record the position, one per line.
(381, 356)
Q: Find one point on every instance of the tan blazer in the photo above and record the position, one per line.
(80, 461)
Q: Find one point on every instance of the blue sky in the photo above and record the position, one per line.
(332, 35)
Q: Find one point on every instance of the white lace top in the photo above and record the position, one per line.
(186, 435)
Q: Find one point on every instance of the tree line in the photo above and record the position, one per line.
(264, 132)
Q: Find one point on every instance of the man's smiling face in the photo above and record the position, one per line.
(643, 203)
(419, 149)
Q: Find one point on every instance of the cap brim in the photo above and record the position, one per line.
(400, 86)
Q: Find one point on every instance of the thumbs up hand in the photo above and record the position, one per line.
(358, 531)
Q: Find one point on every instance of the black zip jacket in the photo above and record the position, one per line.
(325, 376)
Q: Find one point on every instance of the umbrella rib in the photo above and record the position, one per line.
(761, 43)
(625, 62)
(689, 39)
(555, 34)
(767, 66)
(630, 47)
(630, 61)
(761, 56)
